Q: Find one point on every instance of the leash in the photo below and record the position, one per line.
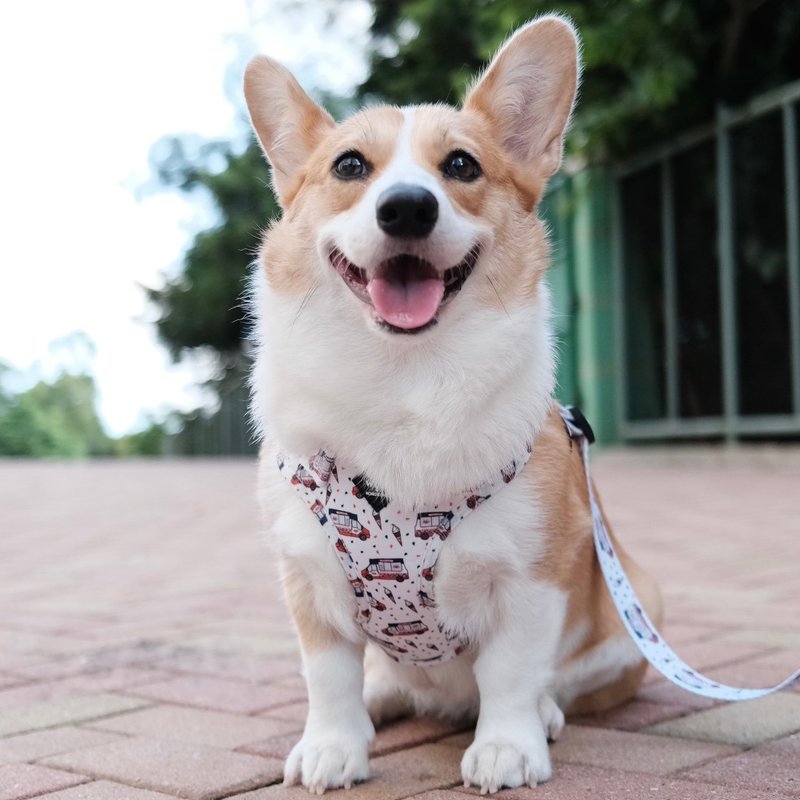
(629, 607)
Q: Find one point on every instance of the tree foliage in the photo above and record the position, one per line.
(651, 67)
(202, 307)
(56, 419)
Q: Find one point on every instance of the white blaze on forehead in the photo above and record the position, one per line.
(356, 233)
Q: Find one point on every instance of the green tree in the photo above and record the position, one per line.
(203, 306)
(55, 419)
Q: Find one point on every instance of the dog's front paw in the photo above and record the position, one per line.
(324, 764)
(492, 763)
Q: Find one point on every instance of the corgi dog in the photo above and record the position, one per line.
(404, 377)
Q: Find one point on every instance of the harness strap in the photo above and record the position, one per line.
(632, 613)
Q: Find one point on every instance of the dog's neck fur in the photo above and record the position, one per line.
(423, 423)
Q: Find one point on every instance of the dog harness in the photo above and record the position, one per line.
(389, 552)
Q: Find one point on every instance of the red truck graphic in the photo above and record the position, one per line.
(405, 628)
(319, 511)
(302, 475)
(358, 586)
(322, 465)
(427, 573)
(386, 569)
(348, 525)
(635, 616)
(433, 523)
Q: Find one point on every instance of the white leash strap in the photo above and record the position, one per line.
(633, 615)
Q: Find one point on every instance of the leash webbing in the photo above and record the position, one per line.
(634, 617)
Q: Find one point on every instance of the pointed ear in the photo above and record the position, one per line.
(288, 123)
(528, 91)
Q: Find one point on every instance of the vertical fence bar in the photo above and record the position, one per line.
(670, 287)
(792, 178)
(727, 275)
(618, 256)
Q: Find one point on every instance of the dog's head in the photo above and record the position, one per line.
(400, 213)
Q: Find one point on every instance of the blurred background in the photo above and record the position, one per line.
(133, 197)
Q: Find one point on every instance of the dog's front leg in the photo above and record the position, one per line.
(332, 752)
(514, 671)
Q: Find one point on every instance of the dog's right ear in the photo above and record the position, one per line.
(288, 123)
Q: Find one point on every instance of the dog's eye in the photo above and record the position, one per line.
(350, 165)
(461, 166)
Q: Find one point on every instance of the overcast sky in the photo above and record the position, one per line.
(88, 86)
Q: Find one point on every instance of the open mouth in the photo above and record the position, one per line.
(405, 292)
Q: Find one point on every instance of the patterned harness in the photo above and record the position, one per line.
(389, 552)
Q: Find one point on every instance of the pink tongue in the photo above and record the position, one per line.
(406, 305)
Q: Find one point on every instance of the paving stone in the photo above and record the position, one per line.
(18, 781)
(633, 715)
(66, 711)
(273, 747)
(293, 712)
(394, 776)
(187, 770)
(107, 790)
(74, 685)
(410, 732)
(773, 767)
(220, 694)
(663, 691)
(746, 724)
(212, 728)
(30, 746)
(579, 782)
(634, 752)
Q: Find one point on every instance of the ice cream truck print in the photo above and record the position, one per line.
(635, 616)
(386, 569)
(321, 464)
(319, 511)
(302, 475)
(405, 628)
(433, 523)
(348, 525)
(691, 678)
(358, 586)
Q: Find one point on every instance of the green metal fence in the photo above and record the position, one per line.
(707, 265)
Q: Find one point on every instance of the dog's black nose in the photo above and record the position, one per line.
(407, 211)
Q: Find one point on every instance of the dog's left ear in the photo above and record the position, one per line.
(528, 92)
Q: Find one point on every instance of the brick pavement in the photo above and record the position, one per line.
(145, 653)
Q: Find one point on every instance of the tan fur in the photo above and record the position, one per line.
(570, 561)
(315, 634)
